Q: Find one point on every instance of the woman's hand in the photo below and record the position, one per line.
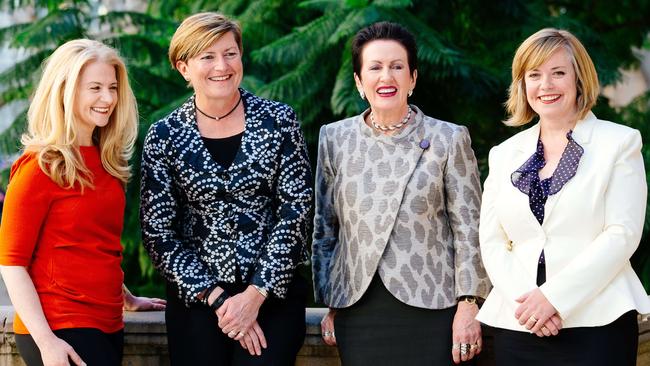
(327, 328)
(535, 311)
(239, 312)
(56, 352)
(254, 340)
(551, 327)
(466, 330)
(137, 303)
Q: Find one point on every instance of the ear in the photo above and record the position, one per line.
(357, 81)
(414, 78)
(181, 66)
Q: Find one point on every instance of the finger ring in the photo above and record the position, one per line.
(455, 346)
(232, 333)
(327, 333)
(464, 349)
(532, 317)
(473, 347)
(241, 334)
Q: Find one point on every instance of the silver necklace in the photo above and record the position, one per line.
(390, 127)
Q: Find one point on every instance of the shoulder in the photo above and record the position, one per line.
(27, 174)
(613, 133)
(175, 120)
(448, 129)
(344, 126)
(284, 115)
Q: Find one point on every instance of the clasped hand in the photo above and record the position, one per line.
(537, 314)
(238, 319)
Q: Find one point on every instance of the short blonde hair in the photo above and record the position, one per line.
(536, 50)
(198, 32)
(52, 127)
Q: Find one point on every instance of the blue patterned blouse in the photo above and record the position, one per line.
(203, 223)
(526, 178)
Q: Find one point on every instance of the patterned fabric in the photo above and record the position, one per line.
(526, 178)
(200, 220)
(398, 207)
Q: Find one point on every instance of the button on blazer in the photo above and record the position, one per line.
(591, 228)
(404, 206)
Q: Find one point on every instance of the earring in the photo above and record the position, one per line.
(410, 92)
(362, 95)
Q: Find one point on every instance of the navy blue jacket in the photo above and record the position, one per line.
(200, 220)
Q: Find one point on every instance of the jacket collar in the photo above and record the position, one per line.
(527, 140)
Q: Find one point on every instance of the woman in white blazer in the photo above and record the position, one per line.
(562, 213)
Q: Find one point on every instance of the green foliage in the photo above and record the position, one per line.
(299, 53)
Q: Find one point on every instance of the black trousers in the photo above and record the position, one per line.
(381, 330)
(195, 338)
(608, 345)
(95, 347)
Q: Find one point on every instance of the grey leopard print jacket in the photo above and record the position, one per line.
(404, 206)
(200, 220)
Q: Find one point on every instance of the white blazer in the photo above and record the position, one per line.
(591, 228)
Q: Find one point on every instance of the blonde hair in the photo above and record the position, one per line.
(52, 127)
(198, 32)
(536, 50)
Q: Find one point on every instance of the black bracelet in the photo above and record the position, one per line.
(216, 304)
(207, 292)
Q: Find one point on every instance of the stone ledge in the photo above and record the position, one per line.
(145, 342)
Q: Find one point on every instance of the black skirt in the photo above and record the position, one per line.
(614, 344)
(381, 330)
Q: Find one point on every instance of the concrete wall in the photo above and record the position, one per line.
(146, 344)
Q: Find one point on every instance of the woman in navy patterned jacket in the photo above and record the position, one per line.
(225, 201)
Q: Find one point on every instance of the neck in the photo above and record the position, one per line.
(85, 137)
(557, 127)
(216, 106)
(390, 117)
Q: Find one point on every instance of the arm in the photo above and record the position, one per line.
(506, 272)
(326, 224)
(463, 201)
(54, 351)
(462, 192)
(282, 253)
(601, 260)
(159, 209)
(26, 208)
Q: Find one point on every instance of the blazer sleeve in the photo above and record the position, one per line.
(601, 260)
(283, 251)
(326, 224)
(463, 201)
(159, 219)
(506, 272)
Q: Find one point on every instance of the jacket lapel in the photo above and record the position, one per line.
(582, 136)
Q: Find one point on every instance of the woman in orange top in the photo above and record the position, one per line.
(60, 235)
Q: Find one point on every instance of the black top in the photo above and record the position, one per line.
(223, 150)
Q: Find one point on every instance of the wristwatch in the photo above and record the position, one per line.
(262, 291)
(468, 299)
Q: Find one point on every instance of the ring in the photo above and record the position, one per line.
(455, 346)
(327, 333)
(464, 349)
(533, 318)
(232, 334)
(473, 347)
(241, 334)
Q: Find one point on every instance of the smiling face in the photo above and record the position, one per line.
(385, 77)
(95, 98)
(217, 71)
(551, 87)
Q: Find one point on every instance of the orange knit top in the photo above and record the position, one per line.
(69, 242)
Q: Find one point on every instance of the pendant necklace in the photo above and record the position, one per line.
(216, 118)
